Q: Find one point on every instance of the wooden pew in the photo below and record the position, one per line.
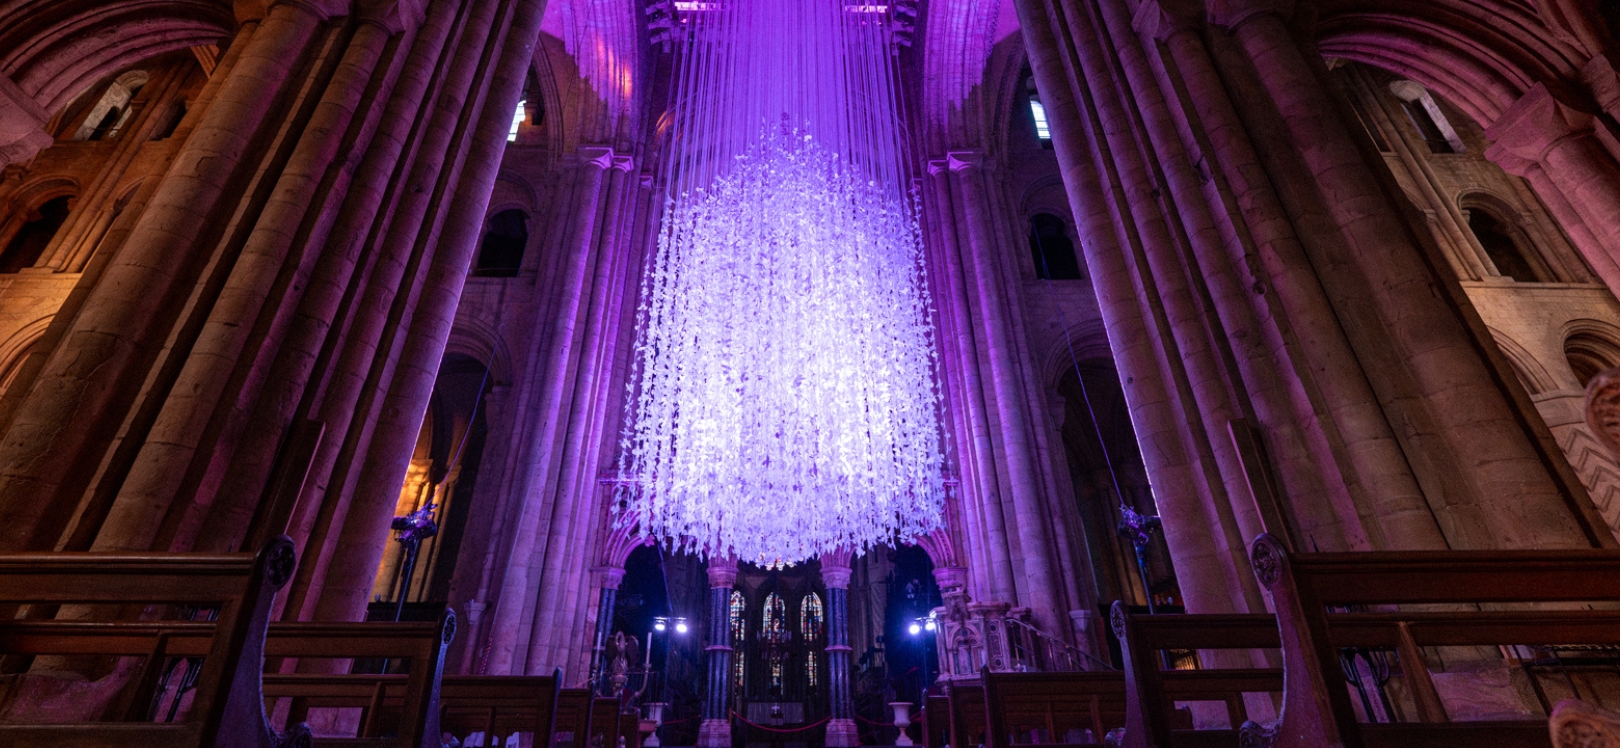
(935, 721)
(1152, 691)
(575, 719)
(1060, 704)
(396, 709)
(227, 709)
(966, 713)
(499, 706)
(1317, 710)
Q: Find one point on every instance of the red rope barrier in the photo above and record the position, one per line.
(812, 726)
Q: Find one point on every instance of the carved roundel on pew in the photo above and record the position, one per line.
(449, 626)
(1268, 557)
(282, 562)
(1116, 619)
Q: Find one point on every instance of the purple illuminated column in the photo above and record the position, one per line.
(715, 732)
(835, 573)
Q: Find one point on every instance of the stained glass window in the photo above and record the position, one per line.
(812, 619)
(739, 606)
(773, 626)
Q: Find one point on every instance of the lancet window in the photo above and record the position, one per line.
(738, 608)
(812, 619)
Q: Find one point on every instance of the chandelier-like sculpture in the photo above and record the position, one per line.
(784, 402)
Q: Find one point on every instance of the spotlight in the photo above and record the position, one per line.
(680, 627)
(915, 629)
(660, 625)
(930, 625)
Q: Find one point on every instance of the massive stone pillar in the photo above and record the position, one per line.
(715, 730)
(61, 427)
(1495, 488)
(541, 519)
(835, 574)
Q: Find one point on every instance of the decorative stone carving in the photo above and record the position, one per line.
(1603, 409)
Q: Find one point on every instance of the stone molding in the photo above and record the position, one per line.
(1162, 19)
(722, 573)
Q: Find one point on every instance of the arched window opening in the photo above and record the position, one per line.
(1053, 252)
(1497, 239)
(501, 255)
(738, 608)
(112, 110)
(774, 628)
(25, 248)
(812, 622)
(1037, 112)
(1425, 115)
(1590, 354)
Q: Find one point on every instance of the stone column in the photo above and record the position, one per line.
(511, 43)
(715, 731)
(90, 374)
(981, 497)
(1539, 131)
(1181, 478)
(1039, 587)
(515, 606)
(181, 426)
(1498, 491)
(835, 574)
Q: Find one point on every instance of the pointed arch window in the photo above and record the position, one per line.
(812, 623)
(773, 628)
(738, 608)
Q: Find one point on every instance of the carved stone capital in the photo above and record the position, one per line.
(394, 16)
(598, 156)
(1534, 125)
(937, 167)
(964, 160)
(612, 576)
(1162, 19)
(623, 163)
(1234, 13)
(1579, 724)
(951, 578)
(722, 572)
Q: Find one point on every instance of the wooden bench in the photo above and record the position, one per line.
(1152, 689)
(1317, 709)
(965, 713)
(1076, 709)
(396, 709)
(498, 706)
(227, 708)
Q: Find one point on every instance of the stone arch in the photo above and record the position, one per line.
(81, 42)
(1090, 341)
(1479, 55)
(54, 193)
(478, 340)
(1590, 346)
(1531, 373)
(15, 349)
(1498, 227)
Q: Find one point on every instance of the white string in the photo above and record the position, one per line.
(784, 400)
